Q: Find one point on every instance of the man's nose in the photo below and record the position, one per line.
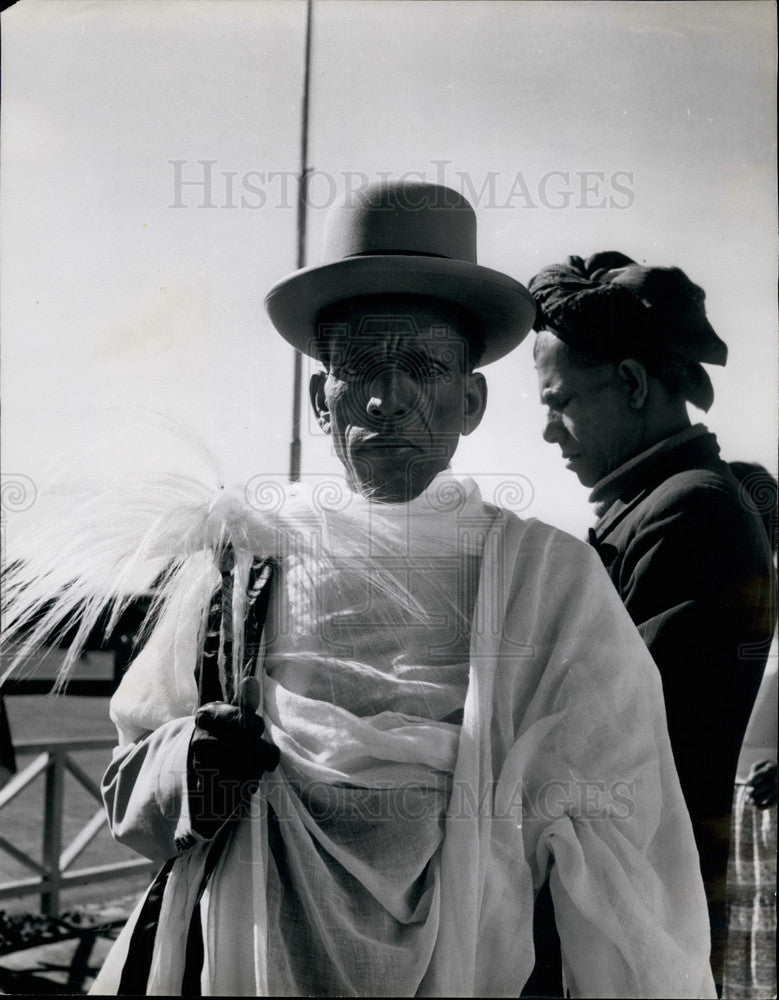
(391, 393)
(554, 431)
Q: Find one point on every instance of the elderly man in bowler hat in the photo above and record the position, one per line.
(464, 715)
(619, 354)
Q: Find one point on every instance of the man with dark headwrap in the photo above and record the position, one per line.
(619, 354)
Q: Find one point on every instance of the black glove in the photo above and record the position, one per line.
(227, 757)
(761, 784)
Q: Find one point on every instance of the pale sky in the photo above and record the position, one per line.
(574, 127)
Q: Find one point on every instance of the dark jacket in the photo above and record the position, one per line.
(691, 560)
(693, 566)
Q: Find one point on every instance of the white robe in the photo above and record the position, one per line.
(561, 767)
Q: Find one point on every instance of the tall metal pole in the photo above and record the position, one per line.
(294, 447)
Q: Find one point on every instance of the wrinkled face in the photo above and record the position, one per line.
(397, 395)
(588, 411)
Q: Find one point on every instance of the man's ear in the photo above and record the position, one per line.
(635, 380)
(316, 393)
(474, 402)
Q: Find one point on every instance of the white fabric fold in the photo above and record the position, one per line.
(396, 852)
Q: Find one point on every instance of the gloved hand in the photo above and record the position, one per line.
(227, 757)
(761, 784)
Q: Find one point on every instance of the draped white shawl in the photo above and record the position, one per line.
(562, 765)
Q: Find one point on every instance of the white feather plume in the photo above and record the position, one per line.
(85, 562)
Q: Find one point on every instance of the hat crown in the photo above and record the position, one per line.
(403, 237)
(411, 218)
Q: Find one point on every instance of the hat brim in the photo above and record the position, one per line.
(503, 308)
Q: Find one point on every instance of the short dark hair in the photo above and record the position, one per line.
(331, 316)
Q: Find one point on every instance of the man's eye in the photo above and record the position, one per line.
(349, 368)
(433, 369)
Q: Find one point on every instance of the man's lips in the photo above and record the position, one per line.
(385, 445)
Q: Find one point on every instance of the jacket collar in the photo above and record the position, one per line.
(616, 494)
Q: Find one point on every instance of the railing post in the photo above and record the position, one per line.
(52, 832)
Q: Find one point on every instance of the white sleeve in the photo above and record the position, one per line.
(145, 786)
(145, 792)
(160, 683)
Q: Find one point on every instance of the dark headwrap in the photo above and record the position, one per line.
(609, 308)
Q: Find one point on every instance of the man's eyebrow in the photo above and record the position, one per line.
(413, 350)
(422, 351)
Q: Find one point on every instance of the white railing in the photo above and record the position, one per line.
(55, 872)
